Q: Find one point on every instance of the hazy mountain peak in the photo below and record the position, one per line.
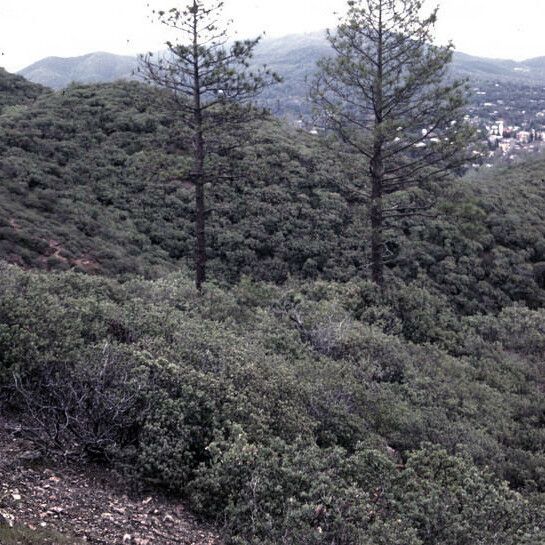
(294, 55)
(58, 72)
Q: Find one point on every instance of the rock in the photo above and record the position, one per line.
(31, 456)
(127, 538)
(4, 522)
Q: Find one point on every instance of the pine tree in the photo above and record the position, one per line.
(386, 93)
(213, 88)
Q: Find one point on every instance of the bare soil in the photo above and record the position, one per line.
(55, 503)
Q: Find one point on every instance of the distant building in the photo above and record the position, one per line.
(494, 141)
(505, 147)
(497, 129)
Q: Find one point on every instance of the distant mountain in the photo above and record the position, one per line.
(536, 63)
(480, 68)
(293, 57)
(58, 72)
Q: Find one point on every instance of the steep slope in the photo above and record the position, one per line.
(47, 502)
(280, 412)
(15, 90)
(80, 163)
(490, 231)
(60, 164)
(95, 178)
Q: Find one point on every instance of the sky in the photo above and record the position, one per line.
(33, 29)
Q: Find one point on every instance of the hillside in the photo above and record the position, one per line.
(293, 57)
(47, 502)
(16, 90)
(80, 163)
(289, 411)
(292, 401)
(530, 71)
(77, 164)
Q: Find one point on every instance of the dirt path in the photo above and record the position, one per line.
(86, 506)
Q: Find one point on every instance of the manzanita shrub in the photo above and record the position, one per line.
(313, 413)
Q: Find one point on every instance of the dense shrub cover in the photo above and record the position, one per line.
(94, 178)
(310, 413)
(16, 90)
(292, 401)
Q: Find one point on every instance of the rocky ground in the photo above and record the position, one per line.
(52, 504)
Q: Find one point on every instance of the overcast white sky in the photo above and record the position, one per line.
(33, 29)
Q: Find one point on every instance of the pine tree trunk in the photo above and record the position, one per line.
(198, 163)
(377, 219)
(200, 214)
(377, 171)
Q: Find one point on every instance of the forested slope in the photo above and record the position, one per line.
(312, 413)
(94, 178)
(16, 90)
(292, 401)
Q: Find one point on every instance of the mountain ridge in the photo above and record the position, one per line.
(290, 55)
(96, 67)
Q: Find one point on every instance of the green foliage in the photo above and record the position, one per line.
(16, 92)
(516, 328)
(292, 400)
(315, 413)
(78, 164)
(303, 495)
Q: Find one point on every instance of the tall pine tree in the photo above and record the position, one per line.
(387, 95)
(213, 87)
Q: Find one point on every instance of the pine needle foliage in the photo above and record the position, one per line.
(212, 86)
(386, 93)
